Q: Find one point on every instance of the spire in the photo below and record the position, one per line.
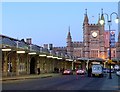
(86, 17)
(102, 16)
(102, 10)
(69, 34)
(69, 28)
(99, 18)
(86, 11)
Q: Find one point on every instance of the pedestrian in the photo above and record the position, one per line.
(38, 69)
(89, 72)
(9, 66)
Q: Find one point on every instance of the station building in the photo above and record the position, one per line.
(95, 44)
(21, 57)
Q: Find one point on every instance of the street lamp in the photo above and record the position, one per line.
(109, 20)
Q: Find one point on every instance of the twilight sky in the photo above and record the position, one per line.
(48, 22)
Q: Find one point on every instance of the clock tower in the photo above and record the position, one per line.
(93, 38)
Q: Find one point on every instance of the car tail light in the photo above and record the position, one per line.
(68, 71)
(82, 71)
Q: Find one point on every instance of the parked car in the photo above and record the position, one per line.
(67, 72)
(80, 71)
(108, 70)
(116, 67)
(118, 72)
(105, 70)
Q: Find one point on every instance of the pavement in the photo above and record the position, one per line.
(31, 76)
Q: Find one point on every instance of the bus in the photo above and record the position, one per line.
(97, 70)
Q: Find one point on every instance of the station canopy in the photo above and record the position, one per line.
(90, 59)
(8, 42)
(116, 59)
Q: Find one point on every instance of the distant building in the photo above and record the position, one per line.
(95, 42)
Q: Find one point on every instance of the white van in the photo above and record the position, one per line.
(97, 70)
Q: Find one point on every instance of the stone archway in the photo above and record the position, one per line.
(32, 65)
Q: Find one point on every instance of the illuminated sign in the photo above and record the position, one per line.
(112, 38)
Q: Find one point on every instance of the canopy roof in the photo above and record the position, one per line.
(90, 59)
(7, 41)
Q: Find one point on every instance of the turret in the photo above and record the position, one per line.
(69, 34)
(85, 18)
(102, 29)
(102, 17)
(99, 20)
(69, 38)
(69, 43)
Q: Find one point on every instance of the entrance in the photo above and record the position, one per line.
(32, 65)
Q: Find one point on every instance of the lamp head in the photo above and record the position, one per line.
(101, 22)
(117, 20)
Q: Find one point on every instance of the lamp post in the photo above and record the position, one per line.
(109, 20)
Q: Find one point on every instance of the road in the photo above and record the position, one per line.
(62, 82)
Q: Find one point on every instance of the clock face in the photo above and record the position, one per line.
(94, 34)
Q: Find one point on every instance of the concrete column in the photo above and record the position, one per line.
(65, 64)
(87, 65)
(42, 64)
(51, 65)
(83, 65)
(28, 64)
(47, 65)
(1, 69)
(6, 63)
(72, 65)
(17, 65)
(105, 64)
(5, 66)
(13, 61)
(1, 66)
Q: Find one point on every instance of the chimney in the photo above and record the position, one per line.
(45, 46)
(50, 46)
(29, 40)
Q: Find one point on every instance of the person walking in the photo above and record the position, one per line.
(38, 69)
(89, 71)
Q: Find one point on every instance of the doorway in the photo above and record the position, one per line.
(32, 65)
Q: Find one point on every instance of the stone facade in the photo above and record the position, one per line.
(118, 47)
(95, 42)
